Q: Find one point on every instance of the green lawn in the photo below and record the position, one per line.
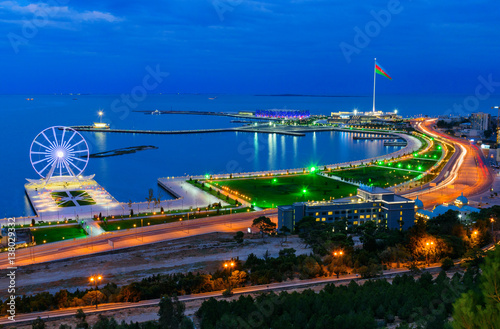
(57, 233)
(59, 194)
(284, 190)
(376, 176)
(129, 223)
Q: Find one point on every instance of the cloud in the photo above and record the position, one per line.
(57, 16)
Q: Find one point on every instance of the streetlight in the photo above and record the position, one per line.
(492, 220)
(338, 254)
(429, 246)
(95, 279)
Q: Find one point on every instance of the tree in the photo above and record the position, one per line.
(285, 230)
(264, 224)
(150, 197)
(186, 323)
(480, 308)
(237, 278)
(158, 197)
(171, 312)
(447, 263)
(80, 316)
(238, 237)
(38, 324)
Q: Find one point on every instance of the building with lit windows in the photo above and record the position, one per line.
(480, 121)
(370, 204)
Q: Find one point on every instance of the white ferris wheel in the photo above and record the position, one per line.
(59, 151)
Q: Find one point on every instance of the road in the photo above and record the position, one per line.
(465, 172)
(70, 312)
(135, 237)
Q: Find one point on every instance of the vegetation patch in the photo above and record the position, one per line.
(286, 189)
(57, 233)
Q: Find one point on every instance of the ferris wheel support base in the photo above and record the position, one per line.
(42, 182)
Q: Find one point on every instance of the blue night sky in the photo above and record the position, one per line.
(245, 47)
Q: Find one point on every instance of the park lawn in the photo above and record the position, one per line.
(57, 233)
(59, 194)
(125, 224)
(86, 202)
(420, 165)
(284, 190)
(76, 193)
(64, 204)
(376, 176)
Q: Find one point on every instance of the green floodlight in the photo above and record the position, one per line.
(409, 166)
(274, 180)
(435, 156)
(432, 138)
(419, 168)
(380, 162)
(415, 154)
(313, 169)
(390, 163)
(82, 221)
(304, 191)
(399, 165)
(87, 227)
(439, 147)
(207, 176)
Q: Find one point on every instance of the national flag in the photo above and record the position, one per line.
(381, 71)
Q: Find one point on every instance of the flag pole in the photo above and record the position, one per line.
(374, 79)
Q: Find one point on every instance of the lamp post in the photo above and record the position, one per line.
(95, 279)
(100, 116)
(492, 220)
(429, 245)
(229, 265)
(338, 254)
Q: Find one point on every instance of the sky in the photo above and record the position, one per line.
(248, 47)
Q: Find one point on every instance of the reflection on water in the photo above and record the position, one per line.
(129, 177)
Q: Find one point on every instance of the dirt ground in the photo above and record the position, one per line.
(198, 254)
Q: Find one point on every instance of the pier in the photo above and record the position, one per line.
(374, 137)
(264, 128)
(221, 114)
(250, 129)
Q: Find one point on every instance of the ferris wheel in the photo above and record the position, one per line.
(59, 151)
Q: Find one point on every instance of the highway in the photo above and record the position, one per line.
(70, 312)
(465, 172)
(135, 237)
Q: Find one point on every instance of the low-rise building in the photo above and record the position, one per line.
(461, 205)
(370, 204)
